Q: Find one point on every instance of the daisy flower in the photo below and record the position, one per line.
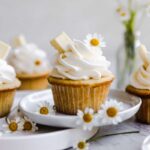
(122, 12)
(94, 40)
(86, 119)
(81, 145)
(28, 125)
(13, 125)
(37, 62)
(44, 108)
(109, 112)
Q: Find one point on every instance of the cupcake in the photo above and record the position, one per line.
(8, 82)
(80, 77)
(140, 85)
(31, 65)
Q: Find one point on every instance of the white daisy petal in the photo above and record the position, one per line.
(98, 40)
(86, 110)
(86, 119)
(80, 113)
(45, 105)
(91, 111)
(109, 112)
(81, 145)
(29, 125)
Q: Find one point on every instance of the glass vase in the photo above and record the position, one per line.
(127, 58)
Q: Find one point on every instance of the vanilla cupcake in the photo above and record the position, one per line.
(80, 77)
(140, 85)
(31, 65)
(8, 82)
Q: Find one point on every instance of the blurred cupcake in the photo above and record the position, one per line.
(31, 65)
(8, 82)
(80, 77)
(140, 85)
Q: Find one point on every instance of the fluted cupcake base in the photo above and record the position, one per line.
(6, 100)
(7, 93)
(33, 81)
(69, 96)
(143, 114)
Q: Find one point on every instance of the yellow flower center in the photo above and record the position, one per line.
(119, 9)
(44, 110)
(63, 56)
(81, 145)
(87, 117)
(112, 112)
(27, 126)
(37, 62)
(123, 14)
(13, 126)
(95, 42)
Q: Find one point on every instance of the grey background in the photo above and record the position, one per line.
(41, 20)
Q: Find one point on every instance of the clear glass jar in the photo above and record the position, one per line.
(127, 58)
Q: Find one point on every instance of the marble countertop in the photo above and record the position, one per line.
(123, 141)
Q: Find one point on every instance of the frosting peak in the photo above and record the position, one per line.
(7, 72)
(81, 62)
(28, 58)
(141, 77)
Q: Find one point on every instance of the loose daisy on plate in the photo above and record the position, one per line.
(28, 125)
(86, 119)
(44, 108)
(13, 125)
(109, 112)
(94, 40)
(81, 145)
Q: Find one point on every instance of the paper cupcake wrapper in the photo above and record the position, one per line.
(68, 98)
(6, 100)
(39, 83)
(143, 114)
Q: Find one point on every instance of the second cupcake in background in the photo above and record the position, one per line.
(8, 81)
(80, 77)
(30, 63)
(140, 85)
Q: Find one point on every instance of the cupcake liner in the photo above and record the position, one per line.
(6, 100)
(143, 115)
(33, 84)
(69, 98)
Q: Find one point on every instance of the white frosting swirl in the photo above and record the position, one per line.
(81, 63)
(7, 73)
(29, 59)
(141, 78)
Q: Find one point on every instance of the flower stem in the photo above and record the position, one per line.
(112, 134)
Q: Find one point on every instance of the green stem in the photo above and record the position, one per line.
(121, 133)
(129, 5)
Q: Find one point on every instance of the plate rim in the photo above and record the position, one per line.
(73, 116)
(41, 135)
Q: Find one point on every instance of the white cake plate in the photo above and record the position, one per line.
(45, 139)
(29, 104)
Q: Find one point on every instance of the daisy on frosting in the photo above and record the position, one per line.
(95, 40)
